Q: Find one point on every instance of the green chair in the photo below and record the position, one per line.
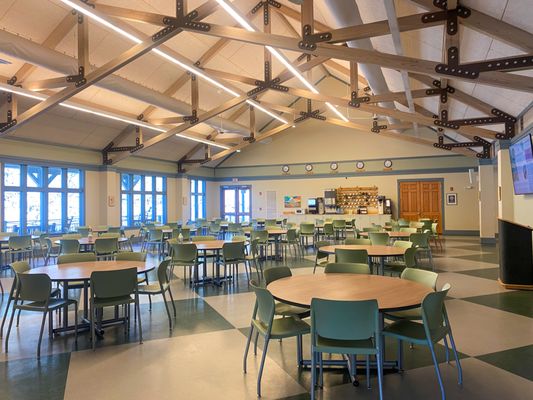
(264, 323)
(262, 241)
(202, 238)
(379, 238)
(328, 232)
(106, 248)
(435, 235)
(351, 256)
(69, 246)
(33, 293)
(322, 258)
(358, 241)
(71, 236)
(115, 235)
(20, 247)
(114, 229)
(371, 229)
(234, 229)
(339, 226)
(83, 231)
(232, 255)
(408, 230)
(114, 288)
(184, 255)
(239, 238)
(347, 268)
(52, 251)
(435, 327)
(163, 286)
(154, 240)
(307, 230)
(134, 256)
(345, 327)
(253, 258)
(292, 242)
(273, 274)
(399, 264)
(421, 242)
(77, 258)
(186, 233)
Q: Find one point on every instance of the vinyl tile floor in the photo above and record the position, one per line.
(202, 357)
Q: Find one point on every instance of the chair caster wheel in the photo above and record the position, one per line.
(356, 383)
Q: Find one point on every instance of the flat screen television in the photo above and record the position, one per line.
(522, 165)
(311, 202)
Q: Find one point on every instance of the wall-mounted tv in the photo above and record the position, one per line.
(522, 165)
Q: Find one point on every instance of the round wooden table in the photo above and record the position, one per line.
(81, 271)
(85, 241)
(209, 245)
(392, 234)
(392, 294)
(373, 251)
(276, 233)
(5, 238)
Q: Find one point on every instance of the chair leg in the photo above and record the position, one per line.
(379, 361)
(248, 340)
(168, 312)
(6, 312)
(459, 368)
(10, 325)
(437, 369)
(263, 359)
(400, 355)
(138, 311)
(75, 321)
(255, 342)
(447, 350)
(368, 371)
(41, 335)
(172, 300)
(299, 355)
(313, 373)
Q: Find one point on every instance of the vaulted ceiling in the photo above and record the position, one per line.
(393, 55)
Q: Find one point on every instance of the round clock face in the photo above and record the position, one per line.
(334, 166)
(387, 163)
(360, 165)
(285, 168)
(308, 167)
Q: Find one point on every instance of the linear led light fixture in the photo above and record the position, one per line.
(192, 69)
(38, 96)
(246, 25)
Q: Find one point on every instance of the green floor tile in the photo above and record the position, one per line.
(30, 379)
(518, 302)
(487, 273)
(492, 258)
(518, 361)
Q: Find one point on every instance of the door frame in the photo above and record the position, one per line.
(440, 180)
(221, 205)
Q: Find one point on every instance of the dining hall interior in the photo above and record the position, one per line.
(277, 199)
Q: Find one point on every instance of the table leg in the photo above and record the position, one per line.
(65, 297)
(382, 265)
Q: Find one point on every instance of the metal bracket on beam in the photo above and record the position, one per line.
(450, 16)
(356, 101)
(309, 40)
(478, 142)
(181, 21)
(500, 117)
(79, 79)
(376, 128)
(310, 113)
(268, 83)
(265, 4)
(110, 148)
(193, 118)
(10, 121)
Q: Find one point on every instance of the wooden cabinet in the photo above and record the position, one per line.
(421, 199)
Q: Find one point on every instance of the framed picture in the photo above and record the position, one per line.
(451, 199)
(292, 201)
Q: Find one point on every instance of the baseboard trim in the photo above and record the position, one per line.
(461, 233)
(489, 241)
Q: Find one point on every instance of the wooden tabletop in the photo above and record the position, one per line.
(99, 230)
(211, 244)
(85, 241)
(391, 293)
(394, 234)
(373, 251)
(276, 231)
(82, 271)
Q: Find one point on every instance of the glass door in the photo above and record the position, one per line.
(236, 203)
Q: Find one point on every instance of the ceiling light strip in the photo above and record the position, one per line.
(168, 57)
(205, 141)
(246, 25)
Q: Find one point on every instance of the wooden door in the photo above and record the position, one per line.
(421, 199)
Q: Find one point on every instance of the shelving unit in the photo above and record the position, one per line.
(350, 199)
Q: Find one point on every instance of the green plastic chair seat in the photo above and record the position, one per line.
(291, 311)
(413, 332)
(113, 301)
(412, 314)
(153, 288)
(38, 305)
(283, 327)
(325, 345)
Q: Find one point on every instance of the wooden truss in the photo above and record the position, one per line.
(319, 46)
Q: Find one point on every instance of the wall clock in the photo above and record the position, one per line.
(360, 165)
(308, 167)
(285, 168)
(334, 166)
(387, 163)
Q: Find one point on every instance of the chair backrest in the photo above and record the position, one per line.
(434, 310)
(155, 235)
(416, 224)
(34, 287)
(186, 233)
(106, 245)
(131, 256)
(71, 236)
(109, 235)
(184, 252)
(200, 238)
(274, 273)
(233, 251)
(328, 229)
(76, 257)
(114, 229)
(318, 245)
(234, 227)
(84, 232)
(292, 235)
(117, 283)
(344, 320)
(410, 257)
(351, 256)
(366, 242)
(19, 267)
(262, 236)
(307, 228)
(371, 229)
(427, 278)
(254, 247)
(69, 246)
(163, 273)
(379, 238)
(403, 222)
(404, 244)
(270, 222)
(434, 228)
(339, 223)
(409, 230)
(239, 238)
(265, 306)
(19, 242)
(420, 239)
(347, 268)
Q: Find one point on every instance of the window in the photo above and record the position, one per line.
(143, 199)
(46, 199)
(197, 199)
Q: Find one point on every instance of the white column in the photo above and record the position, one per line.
(505, 183)
(488, 201)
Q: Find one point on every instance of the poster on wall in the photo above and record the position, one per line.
(292, 201)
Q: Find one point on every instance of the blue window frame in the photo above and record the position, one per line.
(198, 206)
(143, 199)
(46, 199)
